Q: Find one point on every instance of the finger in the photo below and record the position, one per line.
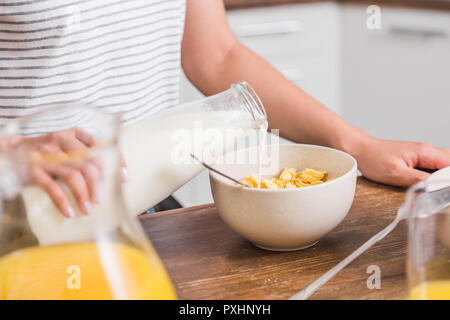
(92, 177)
(406, 177)
(91, 168)
(45, 152)
(83, 136)
(71, 144)
(54, 190)
(97, 162)
(75, 145)
(431, 157)
(123, 169)
(75, 181)
(123, 163)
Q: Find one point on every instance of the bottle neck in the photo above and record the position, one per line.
(251, 102)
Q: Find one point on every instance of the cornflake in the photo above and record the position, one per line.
(289, 178)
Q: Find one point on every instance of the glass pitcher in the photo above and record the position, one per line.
(100, 252)
(428, 265)
(157, 149)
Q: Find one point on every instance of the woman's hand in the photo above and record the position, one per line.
(397, 163)
(62, 155)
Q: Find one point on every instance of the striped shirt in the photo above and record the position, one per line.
(119, 55)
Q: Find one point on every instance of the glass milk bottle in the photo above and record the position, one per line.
(157, 150)
(44, 255)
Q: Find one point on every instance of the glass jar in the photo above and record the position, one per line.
(428, 265)
(95, 252)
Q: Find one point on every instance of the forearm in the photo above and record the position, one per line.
(299, 117)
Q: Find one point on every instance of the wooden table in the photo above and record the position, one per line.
(207, 260)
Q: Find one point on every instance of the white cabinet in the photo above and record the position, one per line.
(397, 79)
(301, 41)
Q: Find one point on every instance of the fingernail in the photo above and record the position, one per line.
(87, 207)
(124, 172)
(70, 213)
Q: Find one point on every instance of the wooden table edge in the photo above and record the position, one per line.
(177, 211)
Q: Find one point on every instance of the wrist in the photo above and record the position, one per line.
(352, 141)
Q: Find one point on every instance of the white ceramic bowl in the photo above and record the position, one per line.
(286, 219)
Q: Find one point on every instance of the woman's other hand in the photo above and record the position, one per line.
(398, 163)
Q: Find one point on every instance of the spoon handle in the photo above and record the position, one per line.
(218, 172)
(306, 292)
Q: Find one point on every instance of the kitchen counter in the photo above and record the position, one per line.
(207, 260)
(429, 4)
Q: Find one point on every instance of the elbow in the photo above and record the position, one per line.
(206, 65)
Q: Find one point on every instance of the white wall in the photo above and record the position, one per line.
(396, 81)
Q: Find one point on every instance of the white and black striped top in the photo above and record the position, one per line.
(119, 55)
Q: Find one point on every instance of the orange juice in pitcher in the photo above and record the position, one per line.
(82, 271)
(434, 290)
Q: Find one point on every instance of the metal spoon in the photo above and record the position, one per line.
(219, 173)
(431, 203)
